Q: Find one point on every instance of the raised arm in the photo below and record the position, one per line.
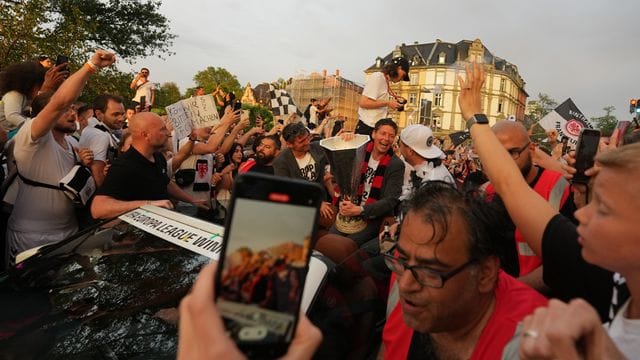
(528, 210)
(217, 136)
(67, 93)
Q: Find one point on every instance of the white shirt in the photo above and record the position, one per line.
(372, 166)
(625, 333)
(313, 115)
(376, 89)
(98, 141)
(143, 89)
(41, 215)
(307, 167)
(425, 171)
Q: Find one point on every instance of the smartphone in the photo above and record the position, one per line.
(622, 126)
(585, 154)
(143, 102)
(237, 105)
(61, 59)
(264, 260)
(565, 144)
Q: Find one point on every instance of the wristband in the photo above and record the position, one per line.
(92, 67)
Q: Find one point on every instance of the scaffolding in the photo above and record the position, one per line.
(344, 94)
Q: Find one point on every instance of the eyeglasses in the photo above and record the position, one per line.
(423, 274)
(516, 152)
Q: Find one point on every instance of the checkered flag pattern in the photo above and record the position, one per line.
(282, 102)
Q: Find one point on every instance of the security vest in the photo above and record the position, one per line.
(553, 187)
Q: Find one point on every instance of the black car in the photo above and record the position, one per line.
(112, 292)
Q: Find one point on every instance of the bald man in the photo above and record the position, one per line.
(549, 184)
(139, 176)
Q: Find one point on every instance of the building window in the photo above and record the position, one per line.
(440, 78)
(413, 78)
(503, 84)
(500, 105)
(437, 99)
(412, 98)
(442, 58)
(425, 112)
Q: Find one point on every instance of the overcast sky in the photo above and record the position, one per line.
(587, 50)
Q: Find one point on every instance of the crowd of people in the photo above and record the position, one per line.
(483, 233)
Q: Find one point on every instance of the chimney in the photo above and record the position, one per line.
(337, 72)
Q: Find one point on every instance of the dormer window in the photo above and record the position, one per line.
(378, 62)
(442, 58)
(415, 61)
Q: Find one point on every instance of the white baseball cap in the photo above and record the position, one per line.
(420, 139)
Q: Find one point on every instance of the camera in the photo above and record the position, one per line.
(401, 101)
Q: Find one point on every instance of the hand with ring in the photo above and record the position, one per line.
(566, 331)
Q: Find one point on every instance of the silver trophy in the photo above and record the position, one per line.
(345, 159)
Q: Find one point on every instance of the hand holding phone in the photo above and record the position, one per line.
(61, 59)
(585, 154)
(263, 264)
(143, 103)
(202, 334)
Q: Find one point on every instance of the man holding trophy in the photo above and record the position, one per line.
(369, 177)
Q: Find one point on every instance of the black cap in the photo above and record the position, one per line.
(404, 64)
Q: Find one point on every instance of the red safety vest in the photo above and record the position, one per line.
(553, 187)
(514, 301)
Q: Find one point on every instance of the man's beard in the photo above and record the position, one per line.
(527, 167)
(264, 159)
(63, 129)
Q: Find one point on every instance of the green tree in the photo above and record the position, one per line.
(111, 81)
(541, 107)
(212, 77)
(606, 123)
(75, 28)
(167, 94)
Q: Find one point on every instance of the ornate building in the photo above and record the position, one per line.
(432, 92)
(247, 96)
(344, 94)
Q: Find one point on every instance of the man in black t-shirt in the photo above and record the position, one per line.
(139, 177)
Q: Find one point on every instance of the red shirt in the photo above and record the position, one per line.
(514, 301)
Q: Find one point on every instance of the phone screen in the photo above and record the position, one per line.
(265, 260)
(585, 153)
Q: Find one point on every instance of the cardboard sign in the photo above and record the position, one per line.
(193, 113)
(192, 234)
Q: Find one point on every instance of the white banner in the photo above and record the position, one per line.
(202, 238)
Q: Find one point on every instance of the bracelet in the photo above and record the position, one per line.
(92, 67)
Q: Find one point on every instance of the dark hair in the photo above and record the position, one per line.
(84, 107)
(390, 69)
(484, 222)
(21, 77)
(293, 130)
(312, 100)
(101, 101)
(386, 121)
(435, 161)
(39, 102)
(274, 138)
(143, 69)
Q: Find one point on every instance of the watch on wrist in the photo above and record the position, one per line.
(477, 119)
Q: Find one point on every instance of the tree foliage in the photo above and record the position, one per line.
(167, 94)
(211, 77)
(74, 28)
(111, 81)
(541, 107)
(606, 123)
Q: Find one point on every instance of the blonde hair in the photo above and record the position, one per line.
(624, 158)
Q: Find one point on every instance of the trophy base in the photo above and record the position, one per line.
(350, 224)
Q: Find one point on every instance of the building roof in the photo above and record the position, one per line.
(426, 55)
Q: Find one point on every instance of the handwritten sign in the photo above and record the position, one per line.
(193, 113)
(204, 242)
(180, 119)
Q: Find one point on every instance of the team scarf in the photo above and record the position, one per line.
(378, 176)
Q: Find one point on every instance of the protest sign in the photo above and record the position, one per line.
(193, 113)
(567, 120)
